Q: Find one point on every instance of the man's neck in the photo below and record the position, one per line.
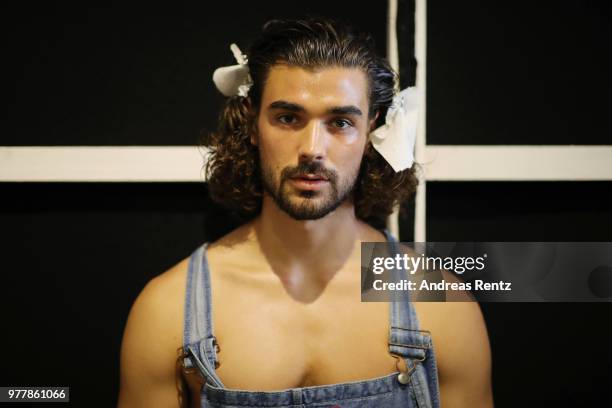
(311, 250)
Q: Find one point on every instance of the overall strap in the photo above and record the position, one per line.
(199, 343)
(405, 338)
(411, 346)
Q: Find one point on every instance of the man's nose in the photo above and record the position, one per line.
(313, 142)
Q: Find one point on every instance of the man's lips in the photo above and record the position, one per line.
(309, 181)
(309, 177)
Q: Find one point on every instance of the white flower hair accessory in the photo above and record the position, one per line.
(395, 139)
(234, 80)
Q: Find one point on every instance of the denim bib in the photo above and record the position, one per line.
(415, 384)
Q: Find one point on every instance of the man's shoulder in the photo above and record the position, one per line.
(235, 240)
(168, 283)
(462, 350)
(159, 306)
(157, 314)
(451, 321)
(368, 233)
(236, 251)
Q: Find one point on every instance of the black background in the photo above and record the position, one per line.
(75, 255)
(136, 75)
(518, 72)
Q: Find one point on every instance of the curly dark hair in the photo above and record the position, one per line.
(233, 169)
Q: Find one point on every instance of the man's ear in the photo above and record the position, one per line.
(372, 123)
(252, 123)
(253, 133)
(371, 127)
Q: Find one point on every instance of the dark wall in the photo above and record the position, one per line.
(527, 73)
(510, 72)
(130, 74)
(76, 255)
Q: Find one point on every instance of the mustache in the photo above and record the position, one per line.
(304, 168)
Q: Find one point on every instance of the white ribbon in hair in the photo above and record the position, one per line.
(395, 139)
(234, 80)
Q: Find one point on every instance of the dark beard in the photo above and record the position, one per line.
(308, 209)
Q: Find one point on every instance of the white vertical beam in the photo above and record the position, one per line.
(393, 58)
(420, 50)
(392, 51)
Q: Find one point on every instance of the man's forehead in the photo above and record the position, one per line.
(320, 87)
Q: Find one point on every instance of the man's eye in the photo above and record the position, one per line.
(287, 119)
(342, 123)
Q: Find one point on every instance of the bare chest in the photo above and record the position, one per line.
(269, 341)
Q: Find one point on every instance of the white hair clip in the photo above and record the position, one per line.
(395, 139)
(234, 80)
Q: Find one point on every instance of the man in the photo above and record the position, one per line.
(293, 154)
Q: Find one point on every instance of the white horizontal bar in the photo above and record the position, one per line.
(176, 164)
(520, 163)
(101, 163)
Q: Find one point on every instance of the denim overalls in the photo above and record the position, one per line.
(415, 384)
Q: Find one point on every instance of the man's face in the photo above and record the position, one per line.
(312, 131)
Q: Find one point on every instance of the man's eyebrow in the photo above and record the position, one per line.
(336, 110)
(286, 106)
(345, 110)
